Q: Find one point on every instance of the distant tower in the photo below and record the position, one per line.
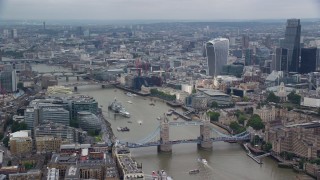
(44, 25)
(292, 43)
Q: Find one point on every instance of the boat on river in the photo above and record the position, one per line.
(194, 171)
(117, 107)
(123, 129)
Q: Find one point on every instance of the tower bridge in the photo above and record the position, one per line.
(205, 139)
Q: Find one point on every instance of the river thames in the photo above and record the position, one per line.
(225, 161)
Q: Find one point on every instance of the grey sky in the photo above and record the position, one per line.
(158, 9)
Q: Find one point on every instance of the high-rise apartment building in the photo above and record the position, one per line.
(217, 51)
(292, 43)
(308, 60)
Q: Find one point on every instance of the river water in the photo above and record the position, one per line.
(225, 161)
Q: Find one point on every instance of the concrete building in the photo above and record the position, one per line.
(47, 144)
(30, 175)
(20, 142)
(53, 174)
(217, 51)
(216, 96)
(63, 132)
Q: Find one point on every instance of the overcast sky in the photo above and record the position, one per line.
(158, 9)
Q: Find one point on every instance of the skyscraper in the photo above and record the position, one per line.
(292, 43)
(245, 42)
(308, 60)
(217, 51)
(281, 60)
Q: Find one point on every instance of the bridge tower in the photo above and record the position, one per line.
(205, 133)
(165, 145)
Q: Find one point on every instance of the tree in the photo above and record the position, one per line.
(273, 98)
(267, 147)
(194, 91)
(241, 119)
(16, 126)
(236, 128)
(214, 104)
(294, 98)
(20, 85)
(245, 99)
(28, 166)
(214, 116)
(74, 123)
(9, 163)
(6, 141)
(255, 122)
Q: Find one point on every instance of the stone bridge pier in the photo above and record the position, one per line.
(165, 145)
(205, 134)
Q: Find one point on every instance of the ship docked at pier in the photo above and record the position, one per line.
(117, 107)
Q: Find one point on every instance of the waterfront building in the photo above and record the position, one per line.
(65, 133)
(47, 144)
(292, 43)
(308, 60)
(217, 51)
(217, 96)
(128, 167)
(301, 139)
(88, 121)
(20, 142)
(34, 174)
(83, 103)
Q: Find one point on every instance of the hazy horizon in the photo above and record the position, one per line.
(176, 10)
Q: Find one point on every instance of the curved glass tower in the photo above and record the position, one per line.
(217, 51)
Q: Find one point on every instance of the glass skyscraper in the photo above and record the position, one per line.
(292, 43)
(217, 51)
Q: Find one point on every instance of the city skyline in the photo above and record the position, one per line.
(155, 10)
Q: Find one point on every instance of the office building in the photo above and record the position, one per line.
(308, 60)
(292, 43)
(8, 80)
(249, 57)
(217, 51)
(280, 63)
(56, 130)
(83, 103)
(54, 114)
(20, 142)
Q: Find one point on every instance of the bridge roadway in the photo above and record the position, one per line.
(90, 83)
(188, 141)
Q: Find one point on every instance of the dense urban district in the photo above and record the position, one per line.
(250, 83)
